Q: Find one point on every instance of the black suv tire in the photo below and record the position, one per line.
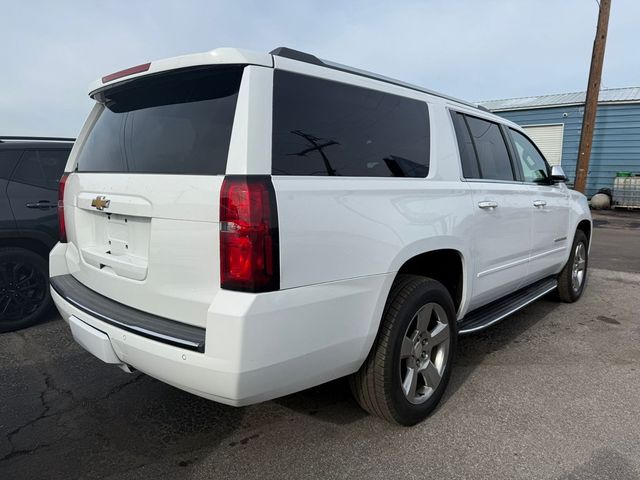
(383, 385)
(24, 288)
(573, 277)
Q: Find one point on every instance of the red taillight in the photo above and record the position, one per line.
(127, 71)
(249, 259)
(62, 229)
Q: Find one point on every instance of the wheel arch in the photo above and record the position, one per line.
(586, 227)
(27, 243)
(417, 260)
(446, 265)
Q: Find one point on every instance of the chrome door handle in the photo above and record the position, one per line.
(488, 204)
(539, 203)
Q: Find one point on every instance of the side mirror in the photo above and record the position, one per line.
(557, 174)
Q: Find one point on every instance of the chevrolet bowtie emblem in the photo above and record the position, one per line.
(100, 202)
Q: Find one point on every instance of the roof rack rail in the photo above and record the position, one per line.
(38, 139)
(292, 54)
(483, 108)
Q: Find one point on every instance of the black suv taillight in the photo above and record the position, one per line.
(249, 251)
(62, 229)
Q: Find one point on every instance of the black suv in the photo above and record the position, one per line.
(30, 168)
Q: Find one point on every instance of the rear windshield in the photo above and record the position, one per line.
(176, 123)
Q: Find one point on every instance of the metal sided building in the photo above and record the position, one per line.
(554, 123)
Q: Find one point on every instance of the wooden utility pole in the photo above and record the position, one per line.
(591, 102)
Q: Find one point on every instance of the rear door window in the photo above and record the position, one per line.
(174, 123)
(483, 150)
(41, 168)
(465, 145)
(8, 160)
(493, 156)
(326, 128)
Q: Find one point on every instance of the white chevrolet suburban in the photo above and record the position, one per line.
(243, 226)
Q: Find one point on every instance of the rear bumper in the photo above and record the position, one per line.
(185, 369)
(257, 346)
(145, 324)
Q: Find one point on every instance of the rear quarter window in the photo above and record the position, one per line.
(326, 128)
(175, 123)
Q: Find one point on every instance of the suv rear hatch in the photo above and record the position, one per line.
(142, 203)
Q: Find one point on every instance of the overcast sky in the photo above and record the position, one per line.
(475, 50)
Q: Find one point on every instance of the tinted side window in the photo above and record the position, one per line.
(8, 160)
(534, 167)
(322, 127)
(41, 168)
(465, 145)
(493, 155)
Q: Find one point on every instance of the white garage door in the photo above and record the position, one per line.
(548, 138)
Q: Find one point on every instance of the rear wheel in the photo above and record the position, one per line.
(24, 288)
(572, 278)
(409, 366)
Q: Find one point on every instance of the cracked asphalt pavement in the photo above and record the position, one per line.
(551, 392)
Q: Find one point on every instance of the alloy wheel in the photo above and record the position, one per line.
(22, 290)
(424, 352)
(579, 266)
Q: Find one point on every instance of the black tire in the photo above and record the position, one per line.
(24, 288)
(377, 386)
(567, 291)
